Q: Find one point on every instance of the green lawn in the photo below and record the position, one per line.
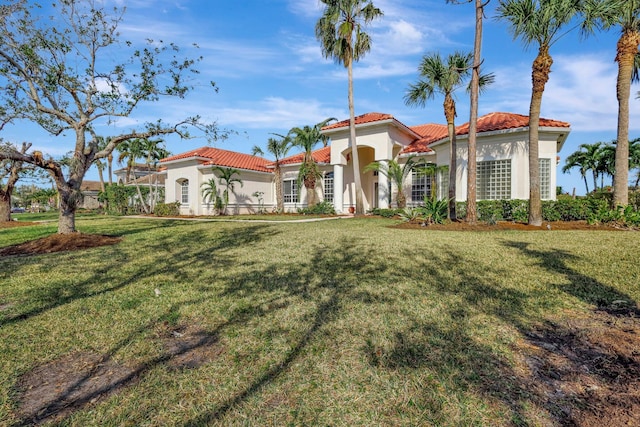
(345, 322)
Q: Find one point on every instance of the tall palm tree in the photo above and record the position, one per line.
(438, 76)
(342, 38)
(229, 181)
(537, 22)
(153, 152)
(474, 89)
(624, 14)
(306, 138)
(396, 174)
(278, 148)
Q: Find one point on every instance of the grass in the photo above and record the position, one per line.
(334, 323)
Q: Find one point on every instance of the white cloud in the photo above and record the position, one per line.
(581, 90)
(276, 113)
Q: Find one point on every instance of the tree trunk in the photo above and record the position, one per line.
(357, 181)
(472, 215)
(110, 167)
(450, 114)
(401, 199)
(586, 185)
(279, 194)
(5, 207)
(539, 76)
(627, 50)
(69, 198)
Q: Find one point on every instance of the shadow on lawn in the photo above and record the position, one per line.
(329, 279)
(178, 263)
(80, 379)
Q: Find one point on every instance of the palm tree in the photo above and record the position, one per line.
(634, 159)
(624, 14)
(537, 22)
(396, 174)
(210, 193)
(306, 138)
(228, 180)
(153, 152)
(440, 77)
(278, 148)
(579, 159)
(342, 38)
(606, 161)
(474, 89)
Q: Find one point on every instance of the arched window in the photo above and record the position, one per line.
(183, 190)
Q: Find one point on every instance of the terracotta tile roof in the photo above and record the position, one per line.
(90, 186)
(487, 123)
(323, 155)
(501, 121)
(155, 178)
(429, 132)
(226, 158)
(364, 118)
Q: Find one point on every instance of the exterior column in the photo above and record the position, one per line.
(338, 188)
(383, 187)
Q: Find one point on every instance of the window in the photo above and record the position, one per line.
(184, 191)
(290, 191)
(420, 186)
(493, 181)
(328, 187)
(545, 178)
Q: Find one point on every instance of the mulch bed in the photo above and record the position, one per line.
(60, 243)
(504, 225)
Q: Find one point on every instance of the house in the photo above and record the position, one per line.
(502, 164)
(90, 190)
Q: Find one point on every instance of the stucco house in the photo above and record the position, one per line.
(502, 164)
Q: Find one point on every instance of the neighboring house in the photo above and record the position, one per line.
(138, 170)
(90, 190)
(502, 164)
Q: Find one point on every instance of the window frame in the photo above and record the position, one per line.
(291, 194)
(497, 176)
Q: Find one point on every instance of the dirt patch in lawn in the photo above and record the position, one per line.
(503, 225)
(56, 389)
(584, 370)
(60, 243)
(13, 224)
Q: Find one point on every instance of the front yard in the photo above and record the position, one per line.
(342, 322)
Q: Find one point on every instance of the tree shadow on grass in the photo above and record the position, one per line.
(199, 257)
(604, 297)
(328, 279)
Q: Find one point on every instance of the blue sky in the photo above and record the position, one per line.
(265, 59)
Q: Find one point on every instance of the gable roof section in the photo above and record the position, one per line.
(488, 123)
(322, 155)
(218, 157)
(360, 120)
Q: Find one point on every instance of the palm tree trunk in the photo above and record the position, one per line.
(539, 76)
(354, 146)
(110, 167)
(279, 195)
(450, 114)
(586, 185)
(472, 215)
(627, 50)
(101, 176)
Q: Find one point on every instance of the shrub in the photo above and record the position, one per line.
(322, 208)
(386, 213)
(434, 210)
(167, 209)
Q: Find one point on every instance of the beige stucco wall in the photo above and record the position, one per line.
(241, 199)
(501, 146)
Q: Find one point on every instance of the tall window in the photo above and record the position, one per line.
(184, 191)
(545, 178)
(328, 187)
(420, 186)
(493, 181)
(443, 187)
(290, 190)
